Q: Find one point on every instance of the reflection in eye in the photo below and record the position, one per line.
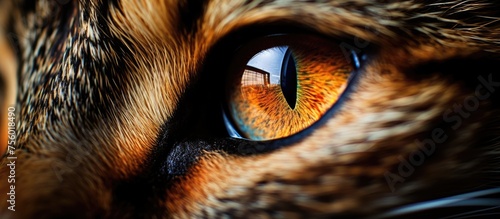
(278, 68)
(284, 85)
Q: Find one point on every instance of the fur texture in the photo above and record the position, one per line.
(112, 119)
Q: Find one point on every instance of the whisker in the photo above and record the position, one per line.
(467, 199)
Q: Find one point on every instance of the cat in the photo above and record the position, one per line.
(251, 109)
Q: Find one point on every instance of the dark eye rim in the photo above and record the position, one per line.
(357, 60)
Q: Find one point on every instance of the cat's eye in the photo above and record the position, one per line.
(279, 85)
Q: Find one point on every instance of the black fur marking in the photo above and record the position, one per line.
(143, 193)
(190, 14)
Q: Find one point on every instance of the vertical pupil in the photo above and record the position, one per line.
(288, 79)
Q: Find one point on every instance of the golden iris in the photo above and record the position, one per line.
(280, 85)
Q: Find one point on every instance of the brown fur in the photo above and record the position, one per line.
(101, 82)
(7, 76)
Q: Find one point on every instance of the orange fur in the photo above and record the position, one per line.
(105, 85)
